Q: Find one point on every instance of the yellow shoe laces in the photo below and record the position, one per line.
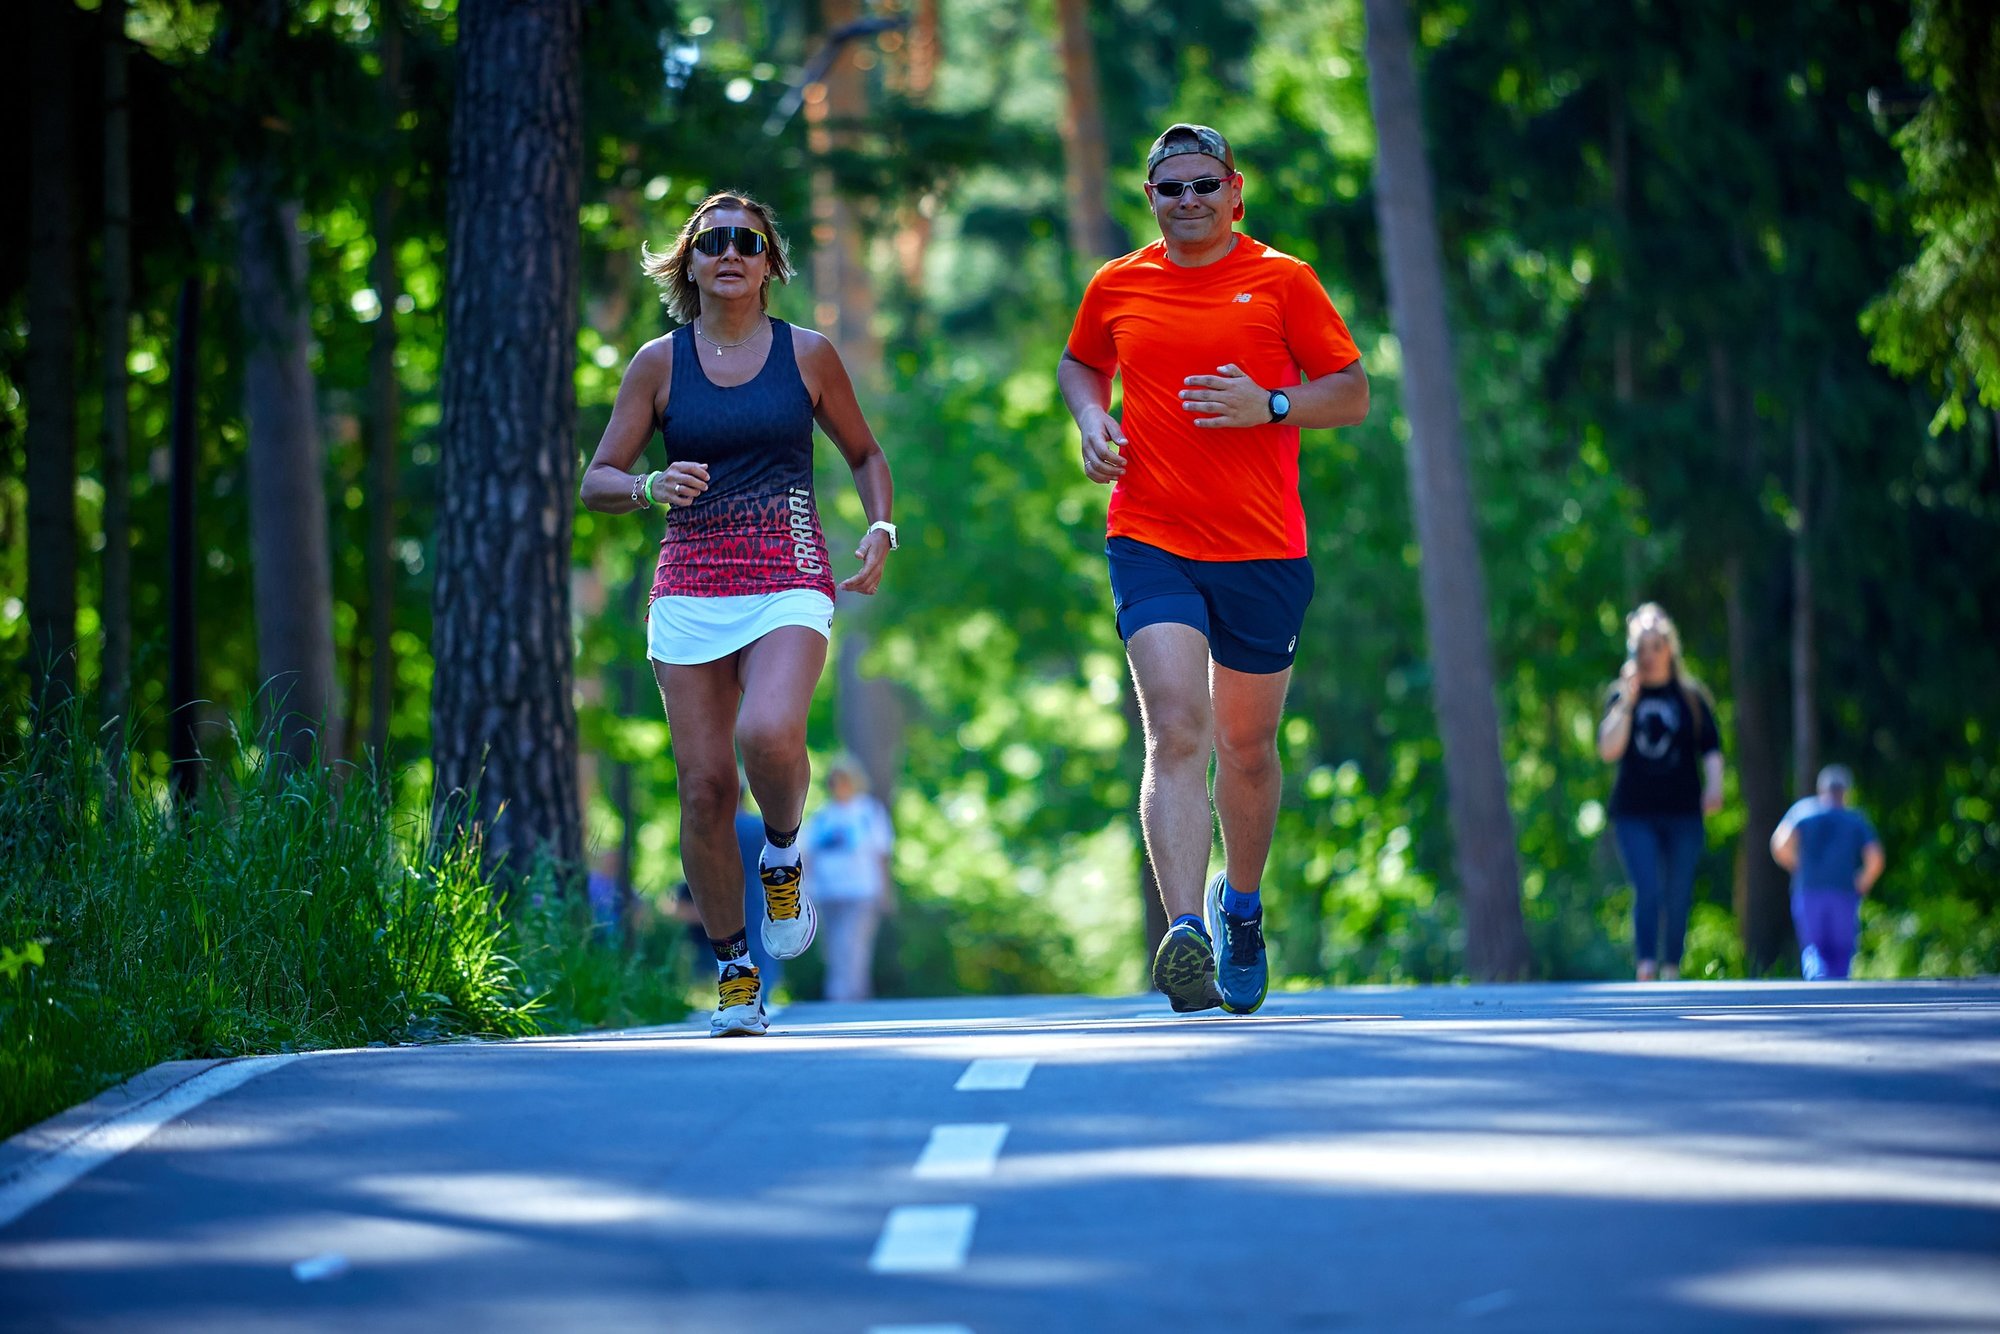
(781, 892)
(740, 989)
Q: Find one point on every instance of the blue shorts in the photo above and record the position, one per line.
(1250, 610)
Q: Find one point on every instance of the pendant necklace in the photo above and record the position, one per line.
(720, 347)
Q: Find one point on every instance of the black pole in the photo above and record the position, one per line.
(184, 759)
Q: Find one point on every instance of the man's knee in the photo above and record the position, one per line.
(1178, 733)
(1251, 752)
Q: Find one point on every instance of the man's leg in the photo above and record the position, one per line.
(1170, 671)
(1248, 777)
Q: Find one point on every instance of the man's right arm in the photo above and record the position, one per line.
(1087, 393)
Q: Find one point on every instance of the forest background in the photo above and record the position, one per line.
(1721, 281)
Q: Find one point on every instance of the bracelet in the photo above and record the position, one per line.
(651, 478)
(638, 487)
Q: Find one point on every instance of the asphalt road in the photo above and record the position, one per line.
(1669, 1157)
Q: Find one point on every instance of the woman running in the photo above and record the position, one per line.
(742, 602)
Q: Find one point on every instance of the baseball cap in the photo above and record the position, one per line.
(1185, 138)
(1836, 776)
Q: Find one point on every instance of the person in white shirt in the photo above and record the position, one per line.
(847, 868)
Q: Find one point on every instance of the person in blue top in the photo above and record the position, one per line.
(1835, 857)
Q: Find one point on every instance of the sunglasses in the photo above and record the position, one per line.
(716, 240)
(1201, 185)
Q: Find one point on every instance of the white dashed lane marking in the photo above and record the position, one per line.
(924, 1239)
(995, 1073)
(960, 1151)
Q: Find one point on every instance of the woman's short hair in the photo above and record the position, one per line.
(670, 270)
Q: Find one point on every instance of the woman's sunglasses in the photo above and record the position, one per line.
(715, 240)
(1202, 185)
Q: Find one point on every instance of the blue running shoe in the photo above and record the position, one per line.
(1184, 968)
(1241, 975)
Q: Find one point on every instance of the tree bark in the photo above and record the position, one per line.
(843, 292)
(1093, 235)
(503, 723)
(51, 369)
(385, 409)
(115, 610)
(1805, 646)
(184, 762)
(291, 572)
(1454, 587)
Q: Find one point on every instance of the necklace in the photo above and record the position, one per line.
(719, 347)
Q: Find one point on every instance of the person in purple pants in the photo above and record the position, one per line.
(1835, 857)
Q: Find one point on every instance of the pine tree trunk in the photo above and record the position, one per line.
(1454, 587)
(843, 291)
(184, 765)
(115, 610)
(1805, 647)
(1093, 235)
(291, 571)
(503, 724)
(384, 415)
(1763, 912)
(51, 370)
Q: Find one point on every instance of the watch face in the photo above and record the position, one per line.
(1281, 403)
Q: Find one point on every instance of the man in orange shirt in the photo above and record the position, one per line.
(1226, 348)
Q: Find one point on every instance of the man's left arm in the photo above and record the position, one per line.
(1232, 398)
(1872, 862)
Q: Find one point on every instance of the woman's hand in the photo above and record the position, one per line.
(679, 484)
(874, 554)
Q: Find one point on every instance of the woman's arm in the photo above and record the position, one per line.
(608, 485)
(1711, 782)
(838, 413)
(1615, 732)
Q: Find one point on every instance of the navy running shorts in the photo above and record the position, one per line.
(1250, 610)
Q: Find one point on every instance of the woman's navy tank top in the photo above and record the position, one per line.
(755, 530)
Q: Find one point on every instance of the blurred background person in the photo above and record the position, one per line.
(1835, 857)
(847, 844)
(1659, 729)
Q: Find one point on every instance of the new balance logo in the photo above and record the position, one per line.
(1242, 296)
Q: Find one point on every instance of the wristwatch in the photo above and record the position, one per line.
(883, 525)
(1281, 406)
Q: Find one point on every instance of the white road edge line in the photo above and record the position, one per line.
(959, 1151)
(995, 1073)
(920, 1329)
(924, 1239)
(40, 1178)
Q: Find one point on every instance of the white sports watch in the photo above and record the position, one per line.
(883, 525)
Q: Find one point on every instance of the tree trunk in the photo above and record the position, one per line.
(184, 763)
(1454, 588)
(503, 724)
(1805, 648)
(842, 289)
(913, 237)
(1761, 896)
(1760, 891)
(385, 409)
(51, 370)
(1092, 233)
(115, 610)
(291, 571)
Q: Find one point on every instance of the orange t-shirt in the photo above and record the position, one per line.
(1204, 492)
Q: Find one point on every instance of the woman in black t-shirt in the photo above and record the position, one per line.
(1659, 729)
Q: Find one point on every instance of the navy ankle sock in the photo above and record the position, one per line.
(1241, 903)
(1192, 920)
(731, 949)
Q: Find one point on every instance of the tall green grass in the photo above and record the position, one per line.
(288, 907)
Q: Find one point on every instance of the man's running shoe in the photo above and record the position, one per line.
(739, 1004)
(789, 919)
(1240, 971)
(1184, 968)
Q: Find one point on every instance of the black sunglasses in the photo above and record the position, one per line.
(715, 240)
(1202, 185)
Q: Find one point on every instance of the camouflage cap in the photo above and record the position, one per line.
(1186, 138)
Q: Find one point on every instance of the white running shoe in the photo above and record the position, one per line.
(789, 919)
(739, 1004)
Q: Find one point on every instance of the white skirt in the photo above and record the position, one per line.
(687, 630)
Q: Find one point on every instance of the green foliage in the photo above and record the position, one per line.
(1940, 319)
(288, 908)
